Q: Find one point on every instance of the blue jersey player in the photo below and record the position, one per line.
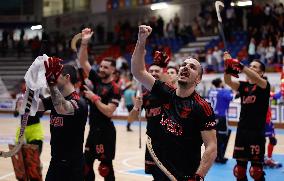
(220, 99)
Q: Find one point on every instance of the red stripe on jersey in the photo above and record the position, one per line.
(115, 87)
(206, 107)
(75, 96)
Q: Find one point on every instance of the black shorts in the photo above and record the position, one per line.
(101, 142)
(222, 127)
(69, 170)
(178, 162)
(249, 145)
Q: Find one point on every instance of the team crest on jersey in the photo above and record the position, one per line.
(185, 112)
(104, 91)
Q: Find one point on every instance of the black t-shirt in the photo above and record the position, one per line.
(254, 106)
(182, 121)
(67, 131)
(109, 93)
(153, 113)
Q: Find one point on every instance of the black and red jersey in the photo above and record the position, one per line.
(254, 106)
(67, 131)
(153, 113)
(109, 93)
(182, 121)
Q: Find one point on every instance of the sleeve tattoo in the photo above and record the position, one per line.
(61, 105)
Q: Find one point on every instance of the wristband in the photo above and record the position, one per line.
(95, 98)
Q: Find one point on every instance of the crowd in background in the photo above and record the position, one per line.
(264, 25)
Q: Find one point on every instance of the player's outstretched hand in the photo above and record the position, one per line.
(86, 35)
(144, 32)
(138, 102)
(91, 95)
(232, 66)
(53, 69)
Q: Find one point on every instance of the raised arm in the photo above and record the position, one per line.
(210, 153)
(255, 77)
(228, 78)
(138, 59)
(61, 105)
(83, 53)
(233, 84)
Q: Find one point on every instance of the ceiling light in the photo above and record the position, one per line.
(36, 27)
(159, 6)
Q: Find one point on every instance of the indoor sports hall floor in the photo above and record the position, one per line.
(129, 161)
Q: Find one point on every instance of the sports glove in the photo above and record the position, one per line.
(233, 67)
(53, 68)
(161, 59)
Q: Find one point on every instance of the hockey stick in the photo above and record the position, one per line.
(220, 26)
(139, 94)
(157, 161)
(22, 129)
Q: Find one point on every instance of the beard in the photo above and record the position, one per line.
(103, 75)
(182, 84)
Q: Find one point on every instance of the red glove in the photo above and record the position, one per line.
(161, 59)
(53, 69)
(196, 177)
(233, 67)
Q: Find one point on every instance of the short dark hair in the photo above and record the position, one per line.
(173, 67)
(262, 65)
(111, 60)
(71, 70)
(217, 82)
(201, 72)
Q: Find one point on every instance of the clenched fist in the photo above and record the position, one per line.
(144, 32)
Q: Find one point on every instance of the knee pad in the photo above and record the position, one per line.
(104, 169)
(273, 141)
(239, 172)
(256, 172)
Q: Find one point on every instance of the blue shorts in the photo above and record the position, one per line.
(269, 129)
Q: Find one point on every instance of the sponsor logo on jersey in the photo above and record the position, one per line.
(56, 121)
(153, 112)
(171, 126)
(249, 99)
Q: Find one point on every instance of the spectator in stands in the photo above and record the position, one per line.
(176, 24)
(160, 26)
(261, 51)
(270, 53)
(217, 55)
(251, 49)
(170, 29)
